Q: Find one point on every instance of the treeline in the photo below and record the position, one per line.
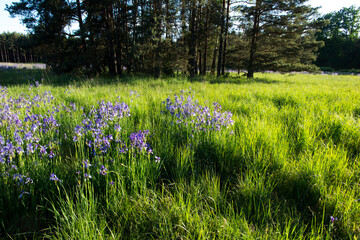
(161, 37)
(342, 40)
(17, 48)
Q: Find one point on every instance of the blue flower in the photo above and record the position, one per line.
(333, 219)
(138, 140)
(87, 176)
(22, 193)
(53, 177)
(86, 163)
(103, 170)
(188, 112)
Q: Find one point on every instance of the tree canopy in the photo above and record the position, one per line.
(341, 37)
(163, 36)
(280, 35)
(16, 47)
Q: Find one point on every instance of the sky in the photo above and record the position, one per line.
(8, 24)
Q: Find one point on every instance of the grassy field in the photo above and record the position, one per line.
(276, 157)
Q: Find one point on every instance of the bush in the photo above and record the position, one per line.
(327, 69)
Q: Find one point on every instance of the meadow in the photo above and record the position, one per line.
(276, 157)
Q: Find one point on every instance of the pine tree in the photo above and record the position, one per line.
(281, 35)
(342, 40)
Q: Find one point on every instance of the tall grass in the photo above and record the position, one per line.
(287, 168)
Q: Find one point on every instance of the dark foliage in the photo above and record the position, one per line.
(161, 37)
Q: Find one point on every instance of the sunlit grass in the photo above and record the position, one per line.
(287, 165)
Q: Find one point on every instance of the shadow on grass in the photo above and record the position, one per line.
(16, 77)
(284, 197)
(242, 80)
(266, 193)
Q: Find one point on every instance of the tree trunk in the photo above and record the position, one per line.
(2, 54)
(191, 43)
(200, 62)
(222, 26)
(158, 16)
(225, 37)
(135, 37)
(18, 55)
(183, 21)
(119, 59)
(205, 41)
(6, 54)
(31, 56)
(254, 35)
(141, 33)
(110, 39)
(81, 25)
(167, 20)
(13, 55)
(125, 42)
(120, 39)
(117, 18)
(212, 71)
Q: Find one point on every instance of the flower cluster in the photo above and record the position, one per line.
(138, 141)
(25, 134)
(28, 135)
(30, 130)
(97, 124)
(103, 170)
(187, 111)
(100, 131)
(22, 182)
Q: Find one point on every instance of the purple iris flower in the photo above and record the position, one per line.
(53, 177)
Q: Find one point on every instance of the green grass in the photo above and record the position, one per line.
(289, 163)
